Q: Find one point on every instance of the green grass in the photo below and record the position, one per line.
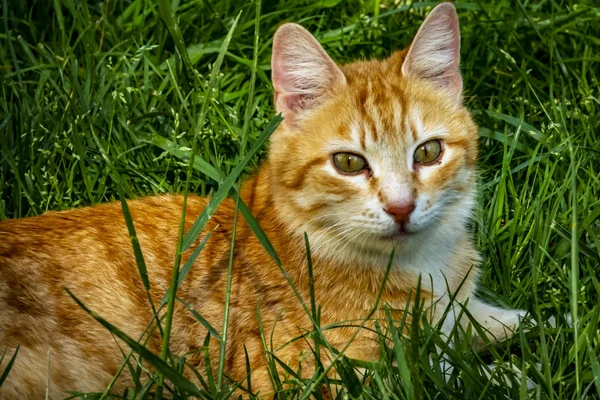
(113, 99)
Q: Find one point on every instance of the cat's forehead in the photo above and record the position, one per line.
(374, 77)
(388, 70)
(382, 107)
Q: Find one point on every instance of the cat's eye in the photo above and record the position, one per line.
(349, 163)
(428, 152)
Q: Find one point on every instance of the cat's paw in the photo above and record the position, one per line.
(567, 317)
(502, 379)
(497, 377)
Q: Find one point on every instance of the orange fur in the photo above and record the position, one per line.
(375, 108)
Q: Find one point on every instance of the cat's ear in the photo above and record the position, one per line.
(302, 72)
(434, 54)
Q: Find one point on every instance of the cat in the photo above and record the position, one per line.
(372, 157)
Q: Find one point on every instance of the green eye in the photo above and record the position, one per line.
(428, 152)
(349, 163)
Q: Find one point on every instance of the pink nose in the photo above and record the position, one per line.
(401, 211)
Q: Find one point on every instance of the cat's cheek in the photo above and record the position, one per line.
(425, 215)
(464, 180)
(373, 213)
(328, 192)
(430, 192)
(424, 203)
(303, 203)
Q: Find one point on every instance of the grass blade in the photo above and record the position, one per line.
(187, 266)
(201, 319)
(250, 101)
(574, 276)
(9, 365)
(135, 243)
(401, 360)
(166, 14)
(227, 184)
(169, 146)
(595, 368)
(258, 231)
(222, 351)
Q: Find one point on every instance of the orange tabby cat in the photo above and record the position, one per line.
(372, 156)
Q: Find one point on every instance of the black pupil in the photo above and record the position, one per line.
(425, 150)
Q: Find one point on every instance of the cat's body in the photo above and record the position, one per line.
(382, 111)
(42, 256)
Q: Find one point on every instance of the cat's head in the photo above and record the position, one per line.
(373, 155)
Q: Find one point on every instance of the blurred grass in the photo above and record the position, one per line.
(86, 82)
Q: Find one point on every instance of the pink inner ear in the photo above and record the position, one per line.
(288, 79)
(434, 54)
(302, 72)
(299, 102)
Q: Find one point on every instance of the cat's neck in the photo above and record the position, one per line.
(257, 194)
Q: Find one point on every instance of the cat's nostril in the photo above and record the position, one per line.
(400, 211)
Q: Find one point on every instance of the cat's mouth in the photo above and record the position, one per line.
(401, 232)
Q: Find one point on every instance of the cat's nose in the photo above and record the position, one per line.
(401, 211)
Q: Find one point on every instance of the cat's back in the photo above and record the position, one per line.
(93, 242)
(90, 244)
(81, 228)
